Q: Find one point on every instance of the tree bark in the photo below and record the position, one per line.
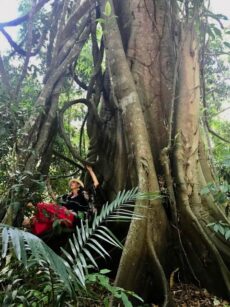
(187, 166)
(157, 91)
(146, 238)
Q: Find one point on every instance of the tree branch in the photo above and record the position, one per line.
(97, 69)
(221, 111)
(82, 84)
(60, 27)
(64, 176)
(70, 161)
(17, 48)
(69, 104)
(82, 133)
(52, 77)
(214, 133)
(28, 51)
(78, 12)
(14, 45)
(63, 134)
(20, 20)
(52, 32)
(68, 47)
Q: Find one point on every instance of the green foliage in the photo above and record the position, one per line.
(35, 285)
(104, 283)
(221, 149)
(221, 195)
(57, 278)
(219, 192)
(26, 246)
(85, 66)
(221, 228)
(215, 68)
(39, 286)
(224, 168)
(13, 115)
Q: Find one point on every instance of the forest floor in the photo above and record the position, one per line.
(187, 295)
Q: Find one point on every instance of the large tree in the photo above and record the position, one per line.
(143, 123)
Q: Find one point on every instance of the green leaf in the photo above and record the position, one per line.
(227, 234)
(224, 187)
(100, 20)
(221, 16)
(73, 270)
(104, 281)
(216, 302)
(227, 44)
(216, 227)
(220, 198)
(131, 293)
(47, 289)
(148, 196)
(221, 230)
(210, 32)
(97, 250)
(5, 242)
(104, 271)
(211, 224)
(89, 255)
(205, 190)
(108, 9)
(14, 235)
(91, 277)
(16, 187)
(28, 173)
(217, 32)
(126, 300)
(106, 302)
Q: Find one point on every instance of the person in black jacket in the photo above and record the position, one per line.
(81, 205)
(78, 199)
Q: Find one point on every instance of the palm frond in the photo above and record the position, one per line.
(148, 196)
(26, 246)
(86, 241)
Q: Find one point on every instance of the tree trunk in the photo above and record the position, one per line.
(142, 242)
(157, 92)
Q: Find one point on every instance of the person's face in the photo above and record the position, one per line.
(74, 185)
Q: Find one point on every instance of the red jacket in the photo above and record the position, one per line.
(46, 214)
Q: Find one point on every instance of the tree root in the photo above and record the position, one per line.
(187, 214)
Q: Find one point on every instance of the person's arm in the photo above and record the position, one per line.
(93, 176)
